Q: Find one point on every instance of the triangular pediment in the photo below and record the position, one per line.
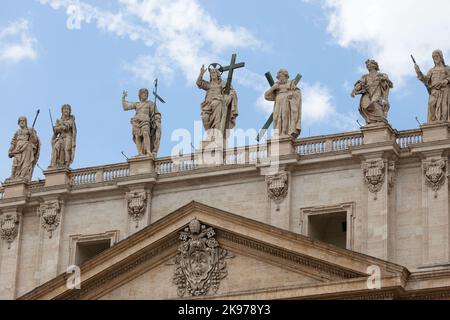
(252, 261)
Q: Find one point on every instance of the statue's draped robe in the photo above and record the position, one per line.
(439, 101)
(374, 104)
(64, 142)
(212, 106)
(25, 145)
(147, 121)
(287, 108)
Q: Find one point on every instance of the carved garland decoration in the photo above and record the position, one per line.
(9, 227)
(374, 175)
(277, 186)
(50, 213)
(200, 262)
(136, 203)
(434, 171)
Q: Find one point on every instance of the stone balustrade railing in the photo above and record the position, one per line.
(99, 174)
(406, 138)
(234, 156)
(330, 143)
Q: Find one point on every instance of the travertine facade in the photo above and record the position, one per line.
(391, 188)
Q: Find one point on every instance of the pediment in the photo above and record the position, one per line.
(245, 260)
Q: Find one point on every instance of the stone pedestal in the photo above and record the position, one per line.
(435, 132)
(57, 177)
(11, 225)
(211, 153)
(141, 165)
(281, 146)
(376, 133)
(15, 188)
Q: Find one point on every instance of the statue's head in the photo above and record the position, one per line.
(283, 75)
(438, 57)
(372, 65)
(66, 110)
(214, 74)
(22, 122)
(143, 94)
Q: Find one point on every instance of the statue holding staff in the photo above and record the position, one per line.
(374, 90)
(64, 139)
(146, 124)
(24, 149)
(437, 81)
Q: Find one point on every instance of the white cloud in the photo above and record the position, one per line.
(182, 33)
(390, 31)
(17, 43)
(318, 107)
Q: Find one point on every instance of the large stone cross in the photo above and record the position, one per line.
(226, 91)
(269, 121)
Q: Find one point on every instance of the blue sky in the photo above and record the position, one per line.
(87, 52)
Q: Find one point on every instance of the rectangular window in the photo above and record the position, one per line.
(330, 228)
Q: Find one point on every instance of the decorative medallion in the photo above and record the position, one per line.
(50, 213)
(277, 186)
(9, 227)
(434, 171)
(373, 171)
(137, 202)
(200, 262)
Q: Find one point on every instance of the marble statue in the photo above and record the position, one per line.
(146, 124)
(437, 82)
(64, 139)
(212, 106)
(25, 149)
(374, 90)
(287, 108)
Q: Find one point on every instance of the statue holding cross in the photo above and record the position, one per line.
(219, 109)
(287, 108)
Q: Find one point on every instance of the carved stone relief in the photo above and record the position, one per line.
(136, 203)
(200, 262)
(435, 174)
(374, 174)
(277, 186)
(50, 213)
(9, 228)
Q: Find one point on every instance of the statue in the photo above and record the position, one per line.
(374, 88)
(212, 106)
(64, 139)
(146, 124)
(25, 149)
(437, 82)
(288, 105)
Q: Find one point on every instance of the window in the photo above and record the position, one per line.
(330, 224)
(87, 250)
(330, 228)
(86, 247)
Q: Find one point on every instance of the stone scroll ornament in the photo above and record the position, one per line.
(200, 262)
(9, 228)
(374, 175)
(277, 187)
(434, 171)
(50, 213)
(136, 202)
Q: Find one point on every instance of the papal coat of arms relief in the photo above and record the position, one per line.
(435, 174)
(136, 205)
(374, 174)
(200, 261)
(277, 186)
(50, 213)
(9, 227)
